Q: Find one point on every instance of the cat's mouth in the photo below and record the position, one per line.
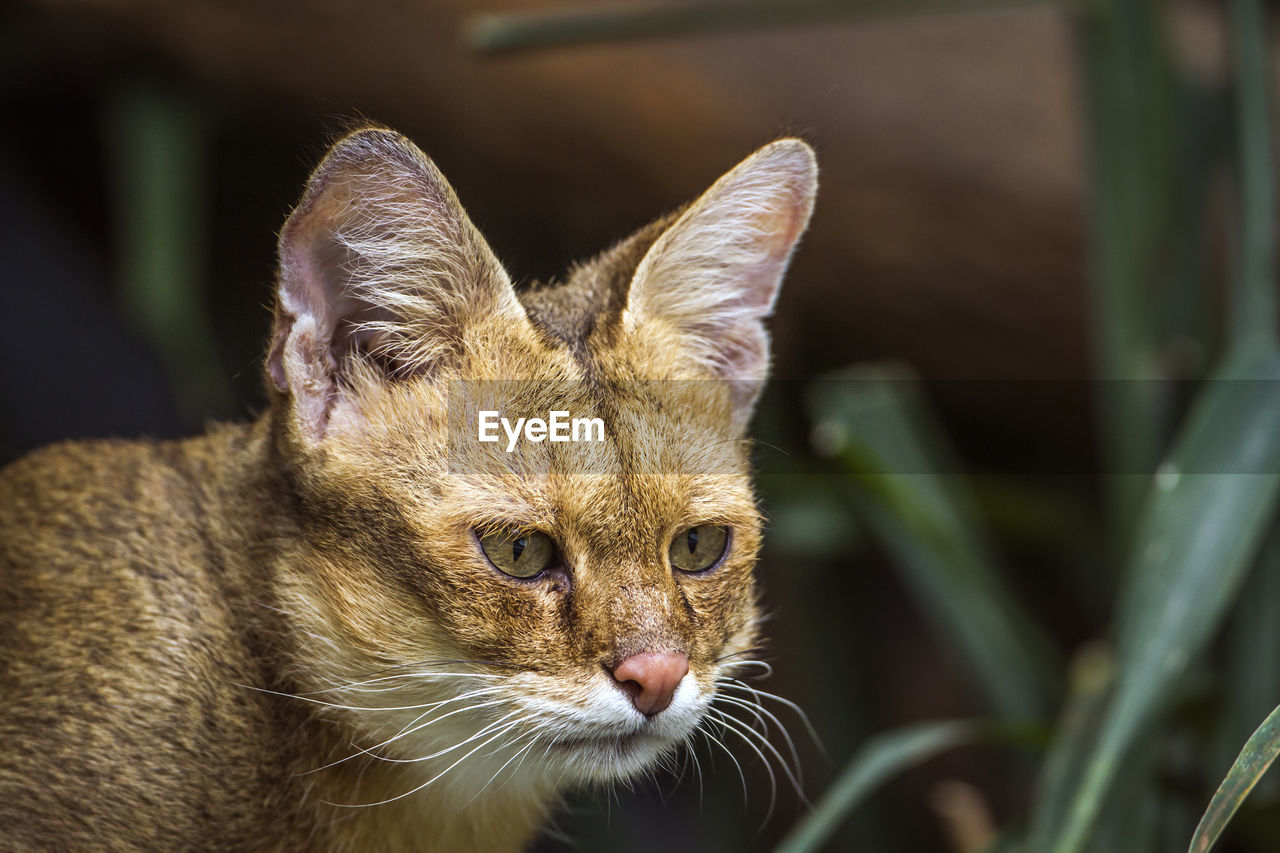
(615, 744)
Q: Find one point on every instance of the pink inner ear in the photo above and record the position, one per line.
(783, 225)
(304, 297)
(319, 268)
(275, 356)
(314, 302)
(314, 287)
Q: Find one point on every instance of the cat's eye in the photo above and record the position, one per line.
(521, 554)
(699, 548)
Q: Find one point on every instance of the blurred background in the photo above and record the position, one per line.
(1027, 272)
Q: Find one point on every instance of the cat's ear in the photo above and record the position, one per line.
(379, 268)
(713, 275)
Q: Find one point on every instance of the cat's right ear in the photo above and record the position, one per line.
(379, 267)
(713, 276)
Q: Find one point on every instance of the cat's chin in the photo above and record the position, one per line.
(606, 758)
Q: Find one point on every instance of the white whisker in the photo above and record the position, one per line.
(407, 729)
(483, 731)
(763, 741)
(724, 721)
(414, 726)
(742, 777)
(766, 669)
(416, 675)
(430, 781)
(339, 706)
(764, 694)
(533, 738)
(756, 710)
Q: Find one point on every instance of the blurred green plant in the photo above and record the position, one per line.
(512, 31)
(1189, 531)
(156, 145)
(872, 421)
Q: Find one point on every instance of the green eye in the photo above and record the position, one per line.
(699, 548)
(519, 554)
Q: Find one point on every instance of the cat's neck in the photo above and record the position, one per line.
(499, 817)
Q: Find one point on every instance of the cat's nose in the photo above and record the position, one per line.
(651, 679)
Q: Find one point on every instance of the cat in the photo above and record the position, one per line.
(355, 624)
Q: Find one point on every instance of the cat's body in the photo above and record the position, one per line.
(318, 631)
(128, 638)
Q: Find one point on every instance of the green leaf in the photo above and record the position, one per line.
(1258, 754)
(1130, 98)
(873, 420)
(1215, 496)
(880, 759)
(506, 32)
(1205, 515)
(810, 520)
(1254, 297)
(1091, 679)
(1252, 647)
(157, 142)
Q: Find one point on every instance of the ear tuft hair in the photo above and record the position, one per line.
(714, 274)
(378, 262)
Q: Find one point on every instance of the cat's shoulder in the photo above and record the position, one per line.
(87, 479)
(107, 507)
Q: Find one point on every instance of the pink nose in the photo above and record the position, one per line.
(651, 679)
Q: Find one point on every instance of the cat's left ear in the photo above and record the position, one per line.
(381, 273)
(713, 275)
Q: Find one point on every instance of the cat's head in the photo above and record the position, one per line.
(570, 606)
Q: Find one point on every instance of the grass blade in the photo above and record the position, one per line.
(158, 158)
(1215, 497)
(1253, 647)
(1205, 517)
(874, 421)
(880, 759)
(1254, 298)
(574, 25)
(1258, 754)
(1130, 97)
(1091, 676)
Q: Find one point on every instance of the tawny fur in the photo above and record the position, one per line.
(276, 636)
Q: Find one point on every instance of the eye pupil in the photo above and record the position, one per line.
(521, 555)
(699, 548)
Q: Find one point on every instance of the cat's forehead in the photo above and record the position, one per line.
(591, 298)
(601, 453)
(593, 425)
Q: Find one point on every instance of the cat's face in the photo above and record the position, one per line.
(562, 611)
